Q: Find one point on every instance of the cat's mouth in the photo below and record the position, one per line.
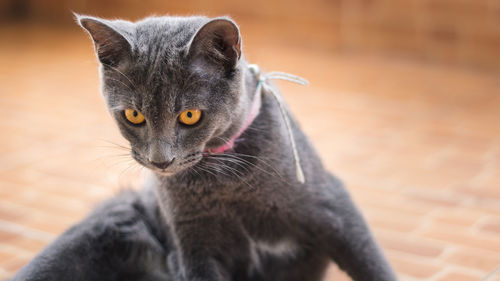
(169, 168)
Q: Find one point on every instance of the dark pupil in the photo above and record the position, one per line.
(135, 113)
(189, 114)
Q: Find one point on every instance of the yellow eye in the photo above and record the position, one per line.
(190, 117)
(134, 116)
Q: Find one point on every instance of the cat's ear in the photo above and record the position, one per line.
(218, 42)
(110, 45)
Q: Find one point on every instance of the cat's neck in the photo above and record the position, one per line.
(241, 112)
(251, 113)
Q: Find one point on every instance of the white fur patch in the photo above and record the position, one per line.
(285, 248)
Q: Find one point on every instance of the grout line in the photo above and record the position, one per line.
(26, 231)
(447, 252)
(4, 272)
(19, 252)
(475, 227)
(440, 274)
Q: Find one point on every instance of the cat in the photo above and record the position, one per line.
(124, 238)
(182, 94)
(243, 193)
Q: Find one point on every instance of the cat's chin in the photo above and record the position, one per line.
(163, 173)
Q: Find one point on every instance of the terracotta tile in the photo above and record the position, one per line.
(457, 216)
(388, 223)
(25, 244)
(413, 267)
(475, 259)
(14, 265)
(492, 227)
(54, 226)
(6, 236)
(458, 236)
(6, 256)
(456, 276)
(418, 247)
(442, 199)
(9, 214)
(335, 274)
(484, 193)
(5, 275)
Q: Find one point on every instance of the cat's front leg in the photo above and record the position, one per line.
(203, 268)
(209, 249)
(349, 241)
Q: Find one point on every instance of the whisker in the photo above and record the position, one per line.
(237, 162)
(205, 169)
(254, 157)
(217, 169)
(239, 157)
(115, 144)
(127, 169)
(193, 168)
(234, 172)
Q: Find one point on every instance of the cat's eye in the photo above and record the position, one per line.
(134, 116)
(190, 117)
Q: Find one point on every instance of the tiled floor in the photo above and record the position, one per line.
(417, 144)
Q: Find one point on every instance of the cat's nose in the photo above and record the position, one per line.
(162, 165)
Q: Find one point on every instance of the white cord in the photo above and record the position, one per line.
(262, 84)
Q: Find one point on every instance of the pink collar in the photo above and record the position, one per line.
(254, 111)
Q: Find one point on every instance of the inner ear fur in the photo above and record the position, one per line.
(219, 42)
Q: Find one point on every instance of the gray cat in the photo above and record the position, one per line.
(228, 159)
(181, 93)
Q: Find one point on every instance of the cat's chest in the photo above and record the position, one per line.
(263, 251)
(225, 201)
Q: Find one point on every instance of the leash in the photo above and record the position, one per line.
(264, 87)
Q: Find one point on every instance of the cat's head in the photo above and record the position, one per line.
(175, 85)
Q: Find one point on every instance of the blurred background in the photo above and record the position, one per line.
(404, 106)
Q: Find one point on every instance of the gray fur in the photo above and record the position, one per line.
(122, 239)
(239, 215)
